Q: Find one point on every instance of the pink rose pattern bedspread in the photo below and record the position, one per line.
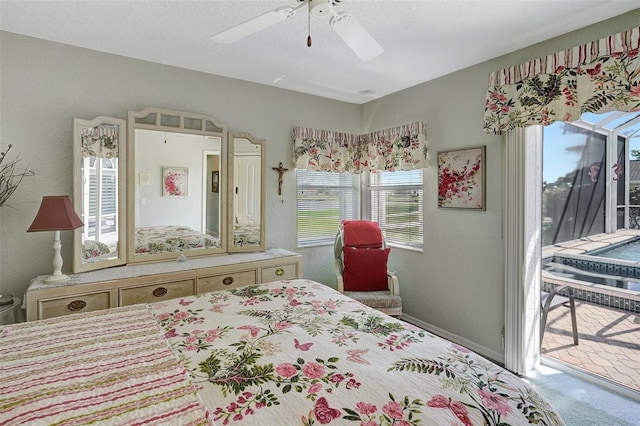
(107, 367)
(298, 352)
(170, 238)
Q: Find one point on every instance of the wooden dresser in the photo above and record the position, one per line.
(131, 284)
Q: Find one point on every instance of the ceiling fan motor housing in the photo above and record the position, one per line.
(321, 8)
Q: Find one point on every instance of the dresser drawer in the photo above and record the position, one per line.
(50, 308)
(155, 292)
(227, 281)
(282, 272)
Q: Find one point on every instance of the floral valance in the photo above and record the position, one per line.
(100, 141)
(600, 76)
(398, 148)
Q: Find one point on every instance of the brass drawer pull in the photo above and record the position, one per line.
(279, 272)
(159, 292)
(227, 280)
(77, 305)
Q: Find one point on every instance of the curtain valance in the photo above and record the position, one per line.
(100, 141)
(600, 76)
(398, 148)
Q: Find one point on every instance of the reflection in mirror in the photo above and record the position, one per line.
(176, 208)
(99, 196)
(175, 186)
(247, 165)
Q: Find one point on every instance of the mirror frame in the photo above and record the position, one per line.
(78, 124)
(173, 122)
(231, 173)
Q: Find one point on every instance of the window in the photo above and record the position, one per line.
(101, 199)
(393, 199)
(591, 176)
(574, 190)
(396, 203)
(323, 200)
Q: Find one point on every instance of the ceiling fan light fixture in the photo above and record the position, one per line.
(355, 36)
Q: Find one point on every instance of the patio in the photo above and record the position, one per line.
(609, 345)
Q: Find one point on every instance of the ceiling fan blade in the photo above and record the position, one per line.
(256, 24)
(356, 36)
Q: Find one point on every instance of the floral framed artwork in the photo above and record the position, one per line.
(175, 181)
(461, 178)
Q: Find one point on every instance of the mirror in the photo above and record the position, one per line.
(99, 149)
(169, 184)
(177, 185)
(246, 166)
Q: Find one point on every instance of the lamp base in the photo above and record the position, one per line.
(56, 279)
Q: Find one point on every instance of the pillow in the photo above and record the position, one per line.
(361, 233)
(91, 249)
(365, 269)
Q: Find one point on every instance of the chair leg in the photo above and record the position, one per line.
(574, 321)
(543, 324)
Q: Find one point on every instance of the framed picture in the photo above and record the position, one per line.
(175, 181)
(461, 178)
(215, 180)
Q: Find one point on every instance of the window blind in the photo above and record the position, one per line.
(323, 200)
(396, 200)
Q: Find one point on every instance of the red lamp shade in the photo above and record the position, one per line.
(56, 214)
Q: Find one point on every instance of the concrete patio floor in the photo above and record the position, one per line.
(609, 342)
(609, 339)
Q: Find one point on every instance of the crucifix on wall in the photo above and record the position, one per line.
(280, 171)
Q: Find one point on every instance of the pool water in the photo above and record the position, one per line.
(626, 251)
(564, 271)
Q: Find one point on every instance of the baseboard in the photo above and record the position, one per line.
(492, 355)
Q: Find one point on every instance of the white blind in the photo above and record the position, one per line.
(397, 206)
(102, 198)
(323, 200)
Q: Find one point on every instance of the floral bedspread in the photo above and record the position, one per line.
(298, 352)
(169, 238)
(246, 235)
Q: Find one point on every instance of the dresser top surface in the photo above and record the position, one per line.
(132, 271)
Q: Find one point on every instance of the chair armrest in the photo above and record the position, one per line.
(558, 289)
(339, 281)
(392, 281)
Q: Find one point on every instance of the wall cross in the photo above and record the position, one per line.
(280, 171)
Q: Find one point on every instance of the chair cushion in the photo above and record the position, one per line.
(365, 269)
(361, 233)
(376, 299)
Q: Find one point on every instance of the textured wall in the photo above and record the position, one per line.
(456, 284)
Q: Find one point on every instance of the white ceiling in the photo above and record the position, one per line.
(422, 40)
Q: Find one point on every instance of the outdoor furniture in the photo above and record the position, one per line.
(551, 300)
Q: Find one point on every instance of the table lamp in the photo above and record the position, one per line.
(56, 214)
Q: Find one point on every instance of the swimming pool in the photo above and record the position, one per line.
(606, 281)
(565, 271)
(628, 250)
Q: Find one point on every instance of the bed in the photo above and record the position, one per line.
(287, 352)
(170, 238)
(246, 235)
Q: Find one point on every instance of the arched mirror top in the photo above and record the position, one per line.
(99, 194)
(176, 185)
(175, 121)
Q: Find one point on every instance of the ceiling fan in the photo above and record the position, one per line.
(343, 23)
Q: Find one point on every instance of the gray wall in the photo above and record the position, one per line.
(456, 285)
(44, 85)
